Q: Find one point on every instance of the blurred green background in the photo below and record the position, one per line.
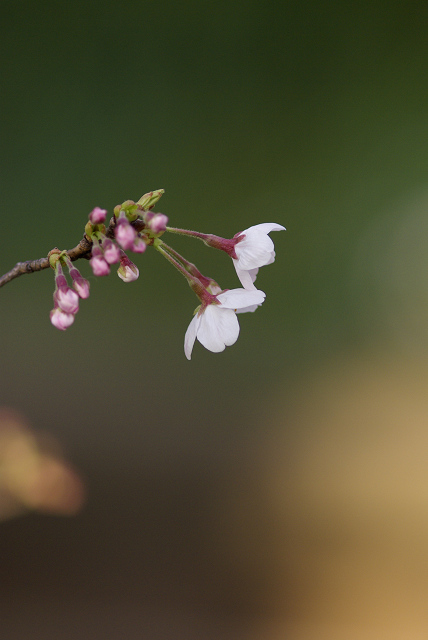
(313, 115)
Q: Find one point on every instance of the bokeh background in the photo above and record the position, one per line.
(278, 490)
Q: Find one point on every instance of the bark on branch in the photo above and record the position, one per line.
(82, 250)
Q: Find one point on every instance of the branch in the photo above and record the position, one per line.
(82, 250)
(134, 227)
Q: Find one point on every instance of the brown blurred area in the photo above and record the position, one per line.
(33, 473)
(313, 526)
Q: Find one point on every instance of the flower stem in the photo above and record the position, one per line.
(193, 280)
(207, 238)
(216, 242)
(187, 232)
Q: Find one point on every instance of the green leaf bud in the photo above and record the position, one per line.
(148, 200)
(129, 208)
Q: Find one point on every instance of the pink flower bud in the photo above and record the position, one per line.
(128, 271)
(99, 266)
(139, 245)
(125, 234)
(60, 319)
(158, 223)
(111, 251)
(80, 284)
(60, 279)
(67, 300)
(97, 215)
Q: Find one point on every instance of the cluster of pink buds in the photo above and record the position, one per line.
(66, 299)
(103, 255)
(135, 226)
(125, 233)
(104, 251)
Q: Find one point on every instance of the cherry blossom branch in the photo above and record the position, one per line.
(82, 250)
(135, 227)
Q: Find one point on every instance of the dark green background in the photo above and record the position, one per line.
(309, 114)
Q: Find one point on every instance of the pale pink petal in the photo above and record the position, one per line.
(253, 307)
(240, 298)
(219, 328)
(214, 289)
(190, 337)
(257, 248)
(266, 227)
(254, 252)
(247, 278)
(270, 261)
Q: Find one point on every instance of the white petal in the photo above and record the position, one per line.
(257, 248)
(189, 338)
(246, 309)
(214, 289)
(266, 227)
(272, 258)
(240, 298)
(253, 253)
(219, 328)
(247, 278)
(253, 273)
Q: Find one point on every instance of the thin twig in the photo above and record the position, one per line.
(82, 250)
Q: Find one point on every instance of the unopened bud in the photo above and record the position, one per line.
(129, 209)
(148, 200)
(128, 271)
(99, 266)
(64, 297)
(92, 229)
(60, 319)
(139, 245)
(125, 234)
(80, 283)
(158, 223)
(97, 215)
(67, 300)
(111, 251)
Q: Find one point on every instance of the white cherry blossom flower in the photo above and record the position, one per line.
(215, 324)
(254, 249)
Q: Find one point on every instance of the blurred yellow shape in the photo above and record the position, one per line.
(347, 481)
(33, 473)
